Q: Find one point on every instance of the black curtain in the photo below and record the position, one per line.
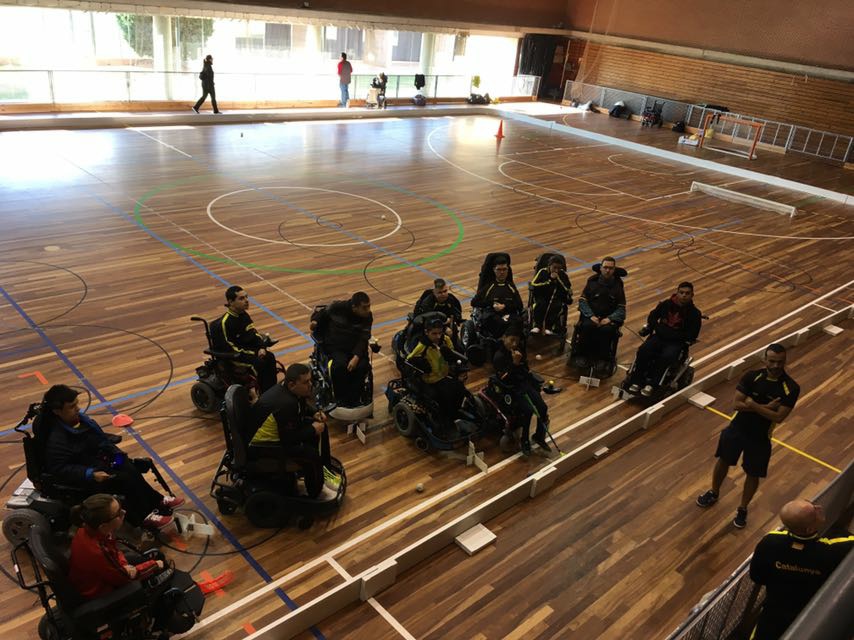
(538, 52)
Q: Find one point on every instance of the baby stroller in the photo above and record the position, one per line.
(651, 116)
(376, 94)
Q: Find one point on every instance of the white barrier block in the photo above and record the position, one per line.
(832, 330)
(701, 400)
(475, 458)
(378, 578)
(735, 368)
(543, 480)
(475, 539)
(601, 452)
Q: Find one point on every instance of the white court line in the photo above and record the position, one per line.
(469, 481)
(143, 133)
(614, 213)
(525, 153)
(395, 624)
(823, 307)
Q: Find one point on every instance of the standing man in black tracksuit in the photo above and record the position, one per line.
(793, 563)
(552, 292)
(603, 309)
(207, 78)
(235, 332)
(763, 398)
(673, 323)
(499, 300)
(344, 328)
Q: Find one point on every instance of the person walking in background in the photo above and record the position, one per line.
(345, 70)
(207, 78)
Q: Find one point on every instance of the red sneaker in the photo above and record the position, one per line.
(171, 502)
(155, 521)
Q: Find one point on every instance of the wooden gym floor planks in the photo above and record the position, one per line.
(78, 191)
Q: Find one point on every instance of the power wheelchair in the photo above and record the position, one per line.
(44, 500)
(265, 488)
(558, 329)
(413, 412)
(165, 603)
(478, 345)
(579, 359)
(507, 416)
(321, 379)
(219, 371)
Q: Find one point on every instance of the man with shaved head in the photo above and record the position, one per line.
(793, 563)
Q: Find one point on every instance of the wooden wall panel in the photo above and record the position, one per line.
(821, 104)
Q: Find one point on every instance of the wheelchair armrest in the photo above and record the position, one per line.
(116, 605)
(143, 465)
(221, 355)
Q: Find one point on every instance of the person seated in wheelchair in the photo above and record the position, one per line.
(671, 326)
(603, 310)
(440, 299)
(551, 293)
(96, 565)
(497, 298)
(511, 368)
(288, 427)
(78, 453)
(234, 332)
(434, 358)
(342, 330)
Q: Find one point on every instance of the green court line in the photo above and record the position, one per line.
(137, 215)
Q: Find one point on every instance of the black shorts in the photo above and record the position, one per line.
(757, 453)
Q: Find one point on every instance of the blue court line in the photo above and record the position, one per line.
(226, 533)
(195, 262)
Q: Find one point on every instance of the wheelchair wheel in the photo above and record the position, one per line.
(204, 397)
(266, 509)
(226, 507)
(686, 378)
(16, 526)
(507, 443)
(48, 630)
(405, 420)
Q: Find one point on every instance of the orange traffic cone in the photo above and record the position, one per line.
(500, 133)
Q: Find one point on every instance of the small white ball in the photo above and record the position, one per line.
(419, 488)
(538, 357)
(383, 216)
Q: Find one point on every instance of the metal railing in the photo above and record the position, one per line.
(729, 612)
(87, 86)
(835, 147)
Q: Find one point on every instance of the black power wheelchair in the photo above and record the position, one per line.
(557, 329)
(321, 379)
(44, 500)
(505, 415)
(579, 358)
(219, 371)
(155, 607)
(478, 345)
(414, 413)
(266, 488)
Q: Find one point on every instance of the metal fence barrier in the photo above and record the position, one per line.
(826, 145)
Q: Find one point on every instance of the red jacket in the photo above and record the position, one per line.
(97, 566)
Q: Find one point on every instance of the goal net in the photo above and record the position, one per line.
(730, 134)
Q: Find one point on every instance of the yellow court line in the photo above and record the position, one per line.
(781, 443)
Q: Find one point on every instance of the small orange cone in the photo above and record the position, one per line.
(500, 133)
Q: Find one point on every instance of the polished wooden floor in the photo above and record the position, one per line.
(112, 239)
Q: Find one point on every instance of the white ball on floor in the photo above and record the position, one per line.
(538, 357)
(419, 488)
(383, 217)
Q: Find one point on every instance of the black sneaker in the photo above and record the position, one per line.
(526, 448)
(540, 441)
(194, 109)
(707, 499)
(740, 520)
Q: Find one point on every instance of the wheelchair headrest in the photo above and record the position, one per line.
(54, 564)
(543, 261)
(487, 275)
(238, 416)
(428, 320)
(618, 272)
